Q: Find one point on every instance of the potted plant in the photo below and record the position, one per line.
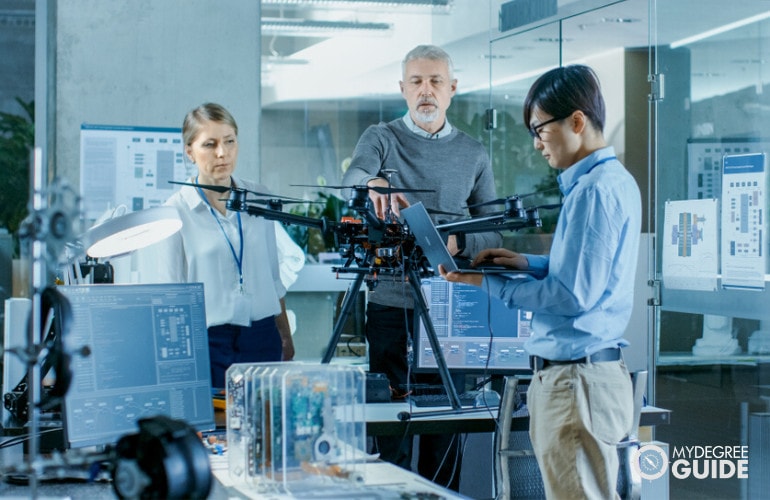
(17, 136)
(312, 240)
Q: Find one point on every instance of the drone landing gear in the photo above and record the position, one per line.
(421, 308)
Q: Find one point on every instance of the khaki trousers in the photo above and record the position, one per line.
(578, 414)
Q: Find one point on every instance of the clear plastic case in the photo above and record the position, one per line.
(294, 427)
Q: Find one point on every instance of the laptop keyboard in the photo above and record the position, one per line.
(425, 400)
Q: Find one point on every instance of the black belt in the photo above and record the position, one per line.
(609, 354)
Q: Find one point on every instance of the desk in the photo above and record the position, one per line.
(689, 359)
(383, 481)
(382, 420)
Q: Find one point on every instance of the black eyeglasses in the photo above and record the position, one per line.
(534, 131)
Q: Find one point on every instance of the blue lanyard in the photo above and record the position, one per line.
(238, 258)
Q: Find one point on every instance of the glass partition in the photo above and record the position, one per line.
(675, 126)
(612, 39)
(685, 85)
(710, 217)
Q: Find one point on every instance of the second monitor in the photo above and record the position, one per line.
(477, 333)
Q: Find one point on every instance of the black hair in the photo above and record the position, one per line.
(562, 91)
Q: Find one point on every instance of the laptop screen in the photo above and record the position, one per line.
(148, 356)
(428, 238)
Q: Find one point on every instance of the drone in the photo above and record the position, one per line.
(369, 245)
(513, 217)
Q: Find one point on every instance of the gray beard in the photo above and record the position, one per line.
(427, 117)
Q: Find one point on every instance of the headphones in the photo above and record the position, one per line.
(166, 459)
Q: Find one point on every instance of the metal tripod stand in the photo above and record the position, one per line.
(421, 308)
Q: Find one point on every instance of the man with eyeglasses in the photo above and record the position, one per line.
(580, 398)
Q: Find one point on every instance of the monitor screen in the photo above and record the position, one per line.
(475, 335)
(148, 356)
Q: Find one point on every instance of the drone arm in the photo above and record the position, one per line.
(286, 218)
(477, 225)
(498, 222)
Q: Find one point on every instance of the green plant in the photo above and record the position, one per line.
(518, 167)
(312, 240)
(17, 136)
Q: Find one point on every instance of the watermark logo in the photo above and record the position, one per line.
(699, 462)
(650, 461)
(710, 462)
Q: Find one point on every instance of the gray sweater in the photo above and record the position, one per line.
(456, 167)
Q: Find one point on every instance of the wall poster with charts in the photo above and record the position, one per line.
(744, 221)
(691, 244)
(129, 165)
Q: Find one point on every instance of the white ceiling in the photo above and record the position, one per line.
(296, 69)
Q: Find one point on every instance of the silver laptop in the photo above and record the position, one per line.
(433, 246)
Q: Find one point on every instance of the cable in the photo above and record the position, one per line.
(462, 441)
(486, 376)
(25, 437)
(349, 344)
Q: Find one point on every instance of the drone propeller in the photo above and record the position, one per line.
(378, 189)
(441, 212)
(285, 201)
(273, 201)
(220, 189)
(522, 212)
(502, 201)
(210, 187)
(224, 189)
(498, 201)
(552, 206)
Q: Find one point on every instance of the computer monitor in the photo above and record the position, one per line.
(148, 356)
(476, 335)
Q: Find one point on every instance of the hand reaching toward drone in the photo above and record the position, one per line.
(380, 201)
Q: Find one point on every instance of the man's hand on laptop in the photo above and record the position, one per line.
(489, 257)
(469, 278)
(500, 257)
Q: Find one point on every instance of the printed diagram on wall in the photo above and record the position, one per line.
(690, 249)
(128, 165)
(704, 178)
(744, 224)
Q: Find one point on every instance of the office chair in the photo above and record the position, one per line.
(513, 451)
(514, 455)
(629, 480)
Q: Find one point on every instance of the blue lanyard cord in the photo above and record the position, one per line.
(238, 258)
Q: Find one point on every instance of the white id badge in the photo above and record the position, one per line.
(242, 309)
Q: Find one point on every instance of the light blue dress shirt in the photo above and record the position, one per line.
(445, 130)
(582, 293)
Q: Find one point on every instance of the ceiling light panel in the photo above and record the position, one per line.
(362, 3)
(309, 27)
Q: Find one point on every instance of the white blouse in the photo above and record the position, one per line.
(200, 252)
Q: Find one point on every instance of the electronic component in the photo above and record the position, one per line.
(294, 427)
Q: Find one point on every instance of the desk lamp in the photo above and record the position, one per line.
(132, 231)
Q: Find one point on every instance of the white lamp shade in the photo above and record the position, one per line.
(131, 232)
